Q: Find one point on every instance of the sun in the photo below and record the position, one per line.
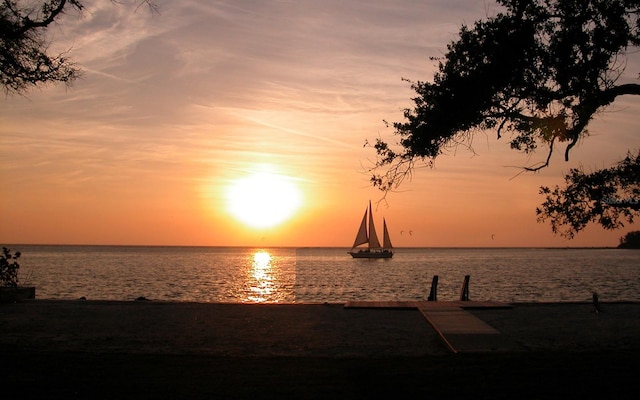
(263, 199)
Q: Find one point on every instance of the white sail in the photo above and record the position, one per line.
(374, 243)
(386, 239)
(361, 237)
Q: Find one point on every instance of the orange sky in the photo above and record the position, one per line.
(173, 109)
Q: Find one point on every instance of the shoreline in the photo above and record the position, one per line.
(149, 349)
(308, 247)
(305, 329)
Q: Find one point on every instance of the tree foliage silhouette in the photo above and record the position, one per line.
(25, 61)
(538, 71)
(630, 241)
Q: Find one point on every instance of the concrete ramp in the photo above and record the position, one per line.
(460, 330)
(457, 321)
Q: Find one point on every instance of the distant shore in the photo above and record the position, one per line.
(102, 349)
(16, 245)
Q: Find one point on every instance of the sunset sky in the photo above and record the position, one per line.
(176, 112)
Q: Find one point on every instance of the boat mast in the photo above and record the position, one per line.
(374, 243)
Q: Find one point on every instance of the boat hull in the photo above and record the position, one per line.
(371, 254)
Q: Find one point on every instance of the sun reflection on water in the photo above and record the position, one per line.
(262, 278)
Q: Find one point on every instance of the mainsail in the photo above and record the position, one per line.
(374, 243)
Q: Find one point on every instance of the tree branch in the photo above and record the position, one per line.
(52, 11)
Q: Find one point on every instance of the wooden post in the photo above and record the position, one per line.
(433, 294)
(464, 293)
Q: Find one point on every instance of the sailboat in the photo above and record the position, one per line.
(370, 238)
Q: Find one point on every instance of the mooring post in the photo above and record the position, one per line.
(464, 293)
(433, 294)
(596, 301)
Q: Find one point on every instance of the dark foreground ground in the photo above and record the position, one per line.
(149, 350)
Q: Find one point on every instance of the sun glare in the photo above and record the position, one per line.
(263, 284)
(264, 199)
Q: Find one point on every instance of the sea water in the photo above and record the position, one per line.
(288, 275)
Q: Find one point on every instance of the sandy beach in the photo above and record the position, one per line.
(146, 349)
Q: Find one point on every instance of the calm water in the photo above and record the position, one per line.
(216, 274)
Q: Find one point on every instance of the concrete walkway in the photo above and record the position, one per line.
(460, 330)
